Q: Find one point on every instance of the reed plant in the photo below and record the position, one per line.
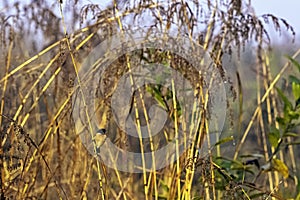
(42, 155)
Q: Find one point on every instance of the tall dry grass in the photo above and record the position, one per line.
(42, 156)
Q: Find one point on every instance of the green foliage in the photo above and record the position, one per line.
(288, 132)
(224, 140)
(291, 113)
(291, 110)
(274, 136)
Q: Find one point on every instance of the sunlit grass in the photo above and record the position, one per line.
(43, 156)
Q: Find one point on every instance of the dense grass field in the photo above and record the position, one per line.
(147, 100)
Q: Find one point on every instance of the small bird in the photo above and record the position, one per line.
(99, 139)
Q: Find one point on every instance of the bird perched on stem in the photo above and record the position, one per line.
(99, 139)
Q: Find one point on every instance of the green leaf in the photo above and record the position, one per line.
(289, 134)
(157, 95)
(164, 187)
(224, 140)
(198, 198)
(279, 166)
(294, 79)
(293, 115)
(297, 103)
(227, 163)
(298, 196)
(164, 190)
(294, 62)
(296, 90)
(287, 104)
(281, 121)
(274, 137)
(298, 189)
